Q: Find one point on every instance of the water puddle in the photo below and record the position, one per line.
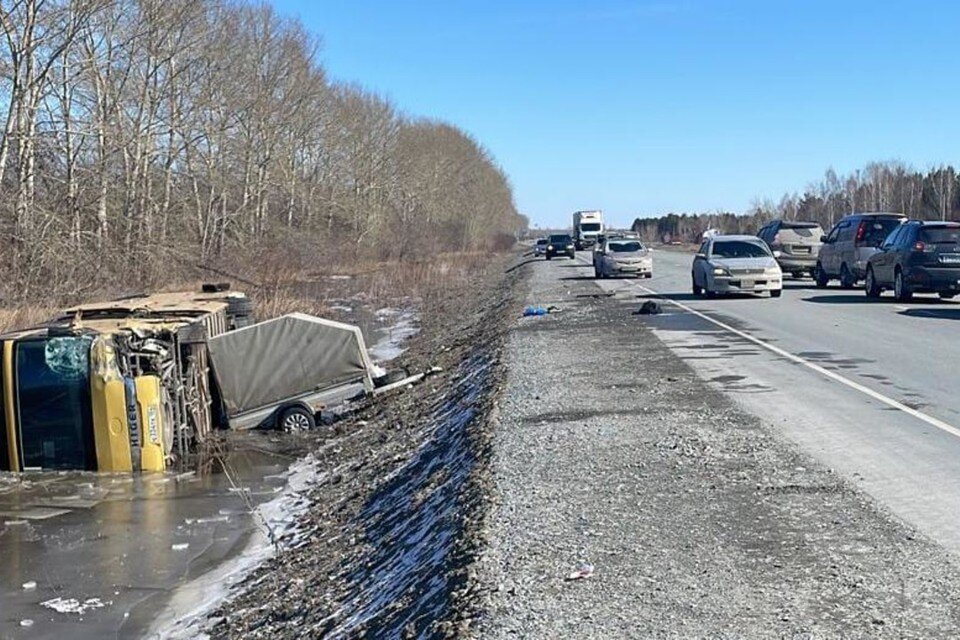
(98, 555)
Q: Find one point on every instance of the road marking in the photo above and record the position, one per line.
(836, 377)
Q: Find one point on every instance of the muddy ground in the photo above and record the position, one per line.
(384, 547)
(698, 520)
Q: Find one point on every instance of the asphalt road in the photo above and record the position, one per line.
(868, 388)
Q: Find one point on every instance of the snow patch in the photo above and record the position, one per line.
(73, 605)
(403, 327)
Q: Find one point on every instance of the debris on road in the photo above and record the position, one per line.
(538, 310)
(649, 308)
(583, 572)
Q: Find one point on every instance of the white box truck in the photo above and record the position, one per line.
(587, 225)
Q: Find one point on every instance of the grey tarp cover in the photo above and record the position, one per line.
(282, 358)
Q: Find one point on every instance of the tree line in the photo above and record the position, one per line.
(880, 186)
(140, 133)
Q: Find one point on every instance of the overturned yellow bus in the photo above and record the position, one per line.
(139, 383)
(116, 386)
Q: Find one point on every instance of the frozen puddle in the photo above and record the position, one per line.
(185, 614)
(403, 325)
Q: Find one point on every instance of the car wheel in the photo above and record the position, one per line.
(297, 419)
(947, 295)
(820, 276)
(648, 275)
(847, 281)
(697, 290)
(900, 288)
(548, 256)
(870, 284)
(776, 293)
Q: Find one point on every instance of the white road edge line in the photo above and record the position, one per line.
(836, 377)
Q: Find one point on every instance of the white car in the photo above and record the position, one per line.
(736, 264)
(540, 247)
(622, 257)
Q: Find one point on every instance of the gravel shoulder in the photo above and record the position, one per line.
(699, 519)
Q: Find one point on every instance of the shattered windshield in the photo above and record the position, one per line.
(53, 398)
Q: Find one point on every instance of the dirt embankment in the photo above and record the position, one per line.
(384, 547)
(699, 520)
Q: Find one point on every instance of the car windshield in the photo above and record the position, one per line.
(560, 240)
(590, 226)
(625, 247)
(542, 241)
(738, 249)
(940, 235)
(800, 231)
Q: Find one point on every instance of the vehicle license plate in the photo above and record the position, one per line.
(747, 284)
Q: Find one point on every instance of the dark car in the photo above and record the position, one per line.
(917, 257)
(560, 244)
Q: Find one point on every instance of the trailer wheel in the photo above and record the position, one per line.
(297, 419)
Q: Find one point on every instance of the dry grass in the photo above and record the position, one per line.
(282, 283)
(25, 316)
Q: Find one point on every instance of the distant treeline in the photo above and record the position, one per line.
(880, 186)
(141, 134)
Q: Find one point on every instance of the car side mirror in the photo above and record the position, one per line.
(776, 254)
(700, 255)
(823, 238)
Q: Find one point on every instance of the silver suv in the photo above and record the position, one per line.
(797, 242)
(849, 245)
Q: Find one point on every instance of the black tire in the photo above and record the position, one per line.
(648, 275)
(776, 293)
(710, 294)
(820, 276)
(847, 281)
(870, 285)
(548, 256)
(697, 289)
(296, 419)
(900, 288)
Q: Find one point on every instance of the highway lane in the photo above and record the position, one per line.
(886, 354)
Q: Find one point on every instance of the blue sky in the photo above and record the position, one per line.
(641, 108)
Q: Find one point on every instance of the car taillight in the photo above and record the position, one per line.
(861, 232)
(920, 245)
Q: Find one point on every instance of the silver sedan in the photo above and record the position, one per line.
(736, 264)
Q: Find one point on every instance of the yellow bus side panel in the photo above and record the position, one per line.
(8, 406)
(151, 423)
(111, 432)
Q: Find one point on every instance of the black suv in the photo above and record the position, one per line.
(560, 244)
(917, 257)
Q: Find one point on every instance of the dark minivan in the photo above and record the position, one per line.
(917, 257)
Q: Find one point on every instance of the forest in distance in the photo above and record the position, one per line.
(880, 186)
(142, 136)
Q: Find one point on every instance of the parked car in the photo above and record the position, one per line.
(560, 244)
(849, 245)
(917, 257)
(540, 247)
(735, 264)
(622, 257)
(798, 243)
